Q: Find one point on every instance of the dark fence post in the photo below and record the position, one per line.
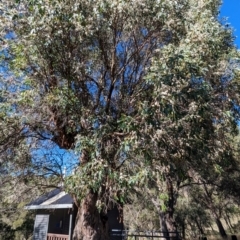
(177, 233)
(234, 237)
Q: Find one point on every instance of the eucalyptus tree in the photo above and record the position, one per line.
(82, 65)
(193, 109)
(135, 88)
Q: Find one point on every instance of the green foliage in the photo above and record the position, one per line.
(6, 232)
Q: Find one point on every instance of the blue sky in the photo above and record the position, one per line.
(231, 10)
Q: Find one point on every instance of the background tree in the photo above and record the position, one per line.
(193, 107)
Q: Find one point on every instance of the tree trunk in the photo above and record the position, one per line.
(168, 226)
(216, 212)
(220, 228)
(90, 224)
(168, 223)
(163, 224)
(199, 226)
(228, 221)
(183, 229)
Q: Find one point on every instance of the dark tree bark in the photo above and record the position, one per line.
(170, 221)
(168, 226)
(220, 228)
(199, 225)
(167, 222)
(228, 222)
(163, 224)
(183, 229)
(90, 224)
(216, 212)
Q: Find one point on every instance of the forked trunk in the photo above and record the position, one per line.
(90, 224)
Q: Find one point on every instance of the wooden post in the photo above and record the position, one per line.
(234, 237)
(70, 227)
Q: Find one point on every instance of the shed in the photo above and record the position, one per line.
(56, 213)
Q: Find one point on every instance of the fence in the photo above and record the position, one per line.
(53, 236)
(150, 235)
(142, 235)
(232, 237)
